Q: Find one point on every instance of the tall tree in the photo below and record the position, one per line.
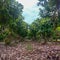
(10, 10)
(51, 10)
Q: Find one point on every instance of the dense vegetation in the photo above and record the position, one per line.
(13, 28)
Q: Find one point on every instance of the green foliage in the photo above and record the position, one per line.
(41, 28)
(11, 21)
(3, 35)
(49, 29)
(20, 28)
(10, 12)
(58, 29)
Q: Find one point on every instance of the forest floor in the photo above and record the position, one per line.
(30, 51)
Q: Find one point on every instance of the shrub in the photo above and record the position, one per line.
(3, 35)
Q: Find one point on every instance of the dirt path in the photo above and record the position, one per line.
(28, 51)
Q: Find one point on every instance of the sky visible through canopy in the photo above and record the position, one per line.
(30, 11)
